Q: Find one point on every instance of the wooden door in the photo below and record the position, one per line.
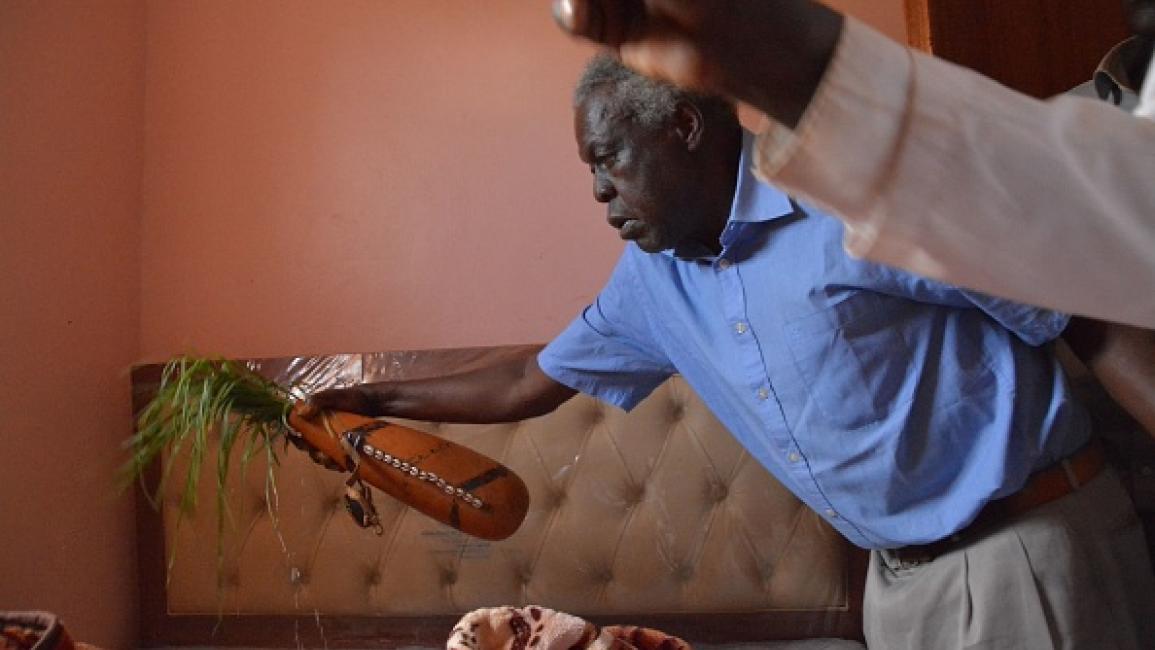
(1040, 47)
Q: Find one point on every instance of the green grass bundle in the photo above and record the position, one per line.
(202, 403)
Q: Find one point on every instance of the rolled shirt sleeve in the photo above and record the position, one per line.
(605, 352)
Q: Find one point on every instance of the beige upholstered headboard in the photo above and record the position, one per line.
(655, 517)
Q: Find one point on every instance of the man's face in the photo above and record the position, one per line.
(645, 176)
(1141, 16)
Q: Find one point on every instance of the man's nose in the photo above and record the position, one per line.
(603, 191)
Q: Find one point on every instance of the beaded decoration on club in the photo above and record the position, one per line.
(442, 479)
(438, 477)
(203, 402)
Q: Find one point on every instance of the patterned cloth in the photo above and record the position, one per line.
(33, 630)
(520, 628)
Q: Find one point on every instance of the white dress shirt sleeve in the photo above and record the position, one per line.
(941, 171)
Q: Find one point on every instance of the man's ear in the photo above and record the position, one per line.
(689, 124)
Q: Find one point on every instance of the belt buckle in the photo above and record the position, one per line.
(907, 561)
(996, 513)
(909, 557)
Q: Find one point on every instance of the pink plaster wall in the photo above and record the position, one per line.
(71, 110)
(360, 175)
(365, 175)
(369, 175)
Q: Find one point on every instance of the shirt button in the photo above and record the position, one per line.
(793, 457)
(763, 394)
(741, 328)
(830, 513)
(723, 264)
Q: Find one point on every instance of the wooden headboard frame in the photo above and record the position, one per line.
(163, 623)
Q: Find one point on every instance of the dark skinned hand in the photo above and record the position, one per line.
(770, 54)
(352, 400)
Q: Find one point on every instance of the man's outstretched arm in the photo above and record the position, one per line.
(506, 391)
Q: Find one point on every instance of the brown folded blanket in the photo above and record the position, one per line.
(539, 628)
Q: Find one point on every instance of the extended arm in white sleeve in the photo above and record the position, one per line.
(943, 172)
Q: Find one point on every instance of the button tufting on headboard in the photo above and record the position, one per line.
(654, 511)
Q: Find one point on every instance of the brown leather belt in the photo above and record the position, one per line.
(1043, 487)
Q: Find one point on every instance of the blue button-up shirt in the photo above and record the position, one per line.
(894, 405)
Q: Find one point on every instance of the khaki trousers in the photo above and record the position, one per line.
(1071, 574)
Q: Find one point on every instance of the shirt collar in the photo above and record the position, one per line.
(754, 202)
(1112, 77)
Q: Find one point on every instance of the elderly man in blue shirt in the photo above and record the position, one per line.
(930, 424)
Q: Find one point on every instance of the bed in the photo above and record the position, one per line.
(654, 518)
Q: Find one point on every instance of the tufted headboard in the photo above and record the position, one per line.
(655, 517)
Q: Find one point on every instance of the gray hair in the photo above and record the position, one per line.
(647, 101)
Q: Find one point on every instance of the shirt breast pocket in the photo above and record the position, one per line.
(855, 359)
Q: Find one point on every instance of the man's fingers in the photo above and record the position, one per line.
(307, 409)
(609, 22)
(352, 400)
(648, 40)
(326, 400)
(669, 58)
(566, 14)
